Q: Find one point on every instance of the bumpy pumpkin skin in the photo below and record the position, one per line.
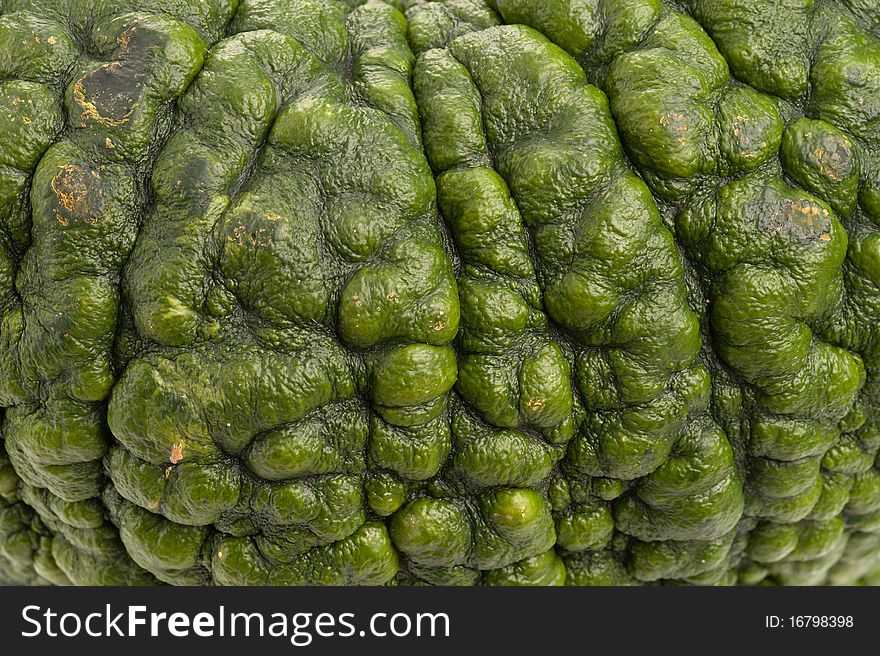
(501, 292)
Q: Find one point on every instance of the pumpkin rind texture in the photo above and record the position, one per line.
(450, 292)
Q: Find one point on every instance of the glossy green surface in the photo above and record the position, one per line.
(457, 292)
